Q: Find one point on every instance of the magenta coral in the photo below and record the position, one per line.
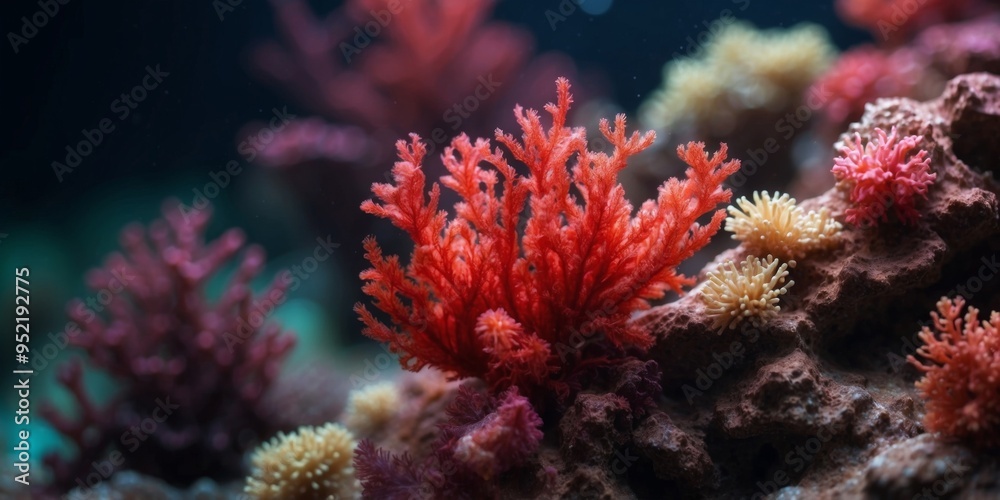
(199, 367)
(961, 383)
(482, 437)
(496, 292)
(880, 176)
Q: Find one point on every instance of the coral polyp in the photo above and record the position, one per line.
(780, 227)
(882, 175)
(310, 463)
(750, 293)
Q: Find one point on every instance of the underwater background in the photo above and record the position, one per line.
(234, 111)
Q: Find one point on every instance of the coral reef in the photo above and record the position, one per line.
(310, 463)
(808, 403)
(751, 292)
(432, 67)
(961, 365)
(481, 300)
(192, 371)
(780, 227)
(880, 176)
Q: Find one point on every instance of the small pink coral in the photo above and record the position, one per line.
(880, 176)
(961, 383)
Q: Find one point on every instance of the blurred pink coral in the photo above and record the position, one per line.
(199, 367)
(961, 383)
(860, 76)
(960, 48)
(894, 20)
(482, 437)
(879, 176)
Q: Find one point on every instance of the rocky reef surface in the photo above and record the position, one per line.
(817, 403)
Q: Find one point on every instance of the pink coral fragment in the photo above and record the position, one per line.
(879, 176)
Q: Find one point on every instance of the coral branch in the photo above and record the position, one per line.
(481, 298)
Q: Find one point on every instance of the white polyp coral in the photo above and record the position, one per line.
(369, 409)
(779, 227)
(750, 293)
(313, 462)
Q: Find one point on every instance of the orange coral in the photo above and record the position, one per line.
(480, 298)
(961, 384)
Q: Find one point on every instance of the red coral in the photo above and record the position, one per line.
(477, 293)
(961, 383)
(200, 366)
(879, 176)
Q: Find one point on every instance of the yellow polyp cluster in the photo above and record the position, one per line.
(779, 227)
(750, 293)
(310, 463)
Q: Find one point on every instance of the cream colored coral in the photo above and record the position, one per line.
(369, 409)
(751, 292)
(311, 463)
(780, 227)
(739, 69)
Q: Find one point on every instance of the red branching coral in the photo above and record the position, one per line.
(482, 437)
(879, 176)
(481, 299)
(961, 383)
(194, 367)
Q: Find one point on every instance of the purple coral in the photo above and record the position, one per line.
(191, 370)
(483, 437)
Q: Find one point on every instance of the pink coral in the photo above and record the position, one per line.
(859, 77)
(482, 299)
(893, 20)
(879, 176)
(961, 382)
(199, 365)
